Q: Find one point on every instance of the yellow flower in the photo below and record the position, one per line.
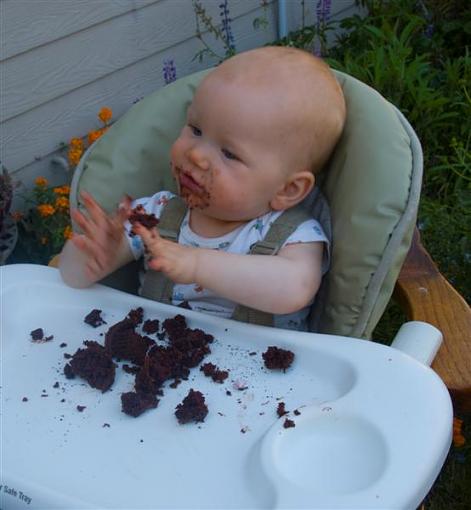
(68, 232)
(46, 210)
(105, 114)
(41, 182)
(74, 156)
(76, 144)
(62, 202)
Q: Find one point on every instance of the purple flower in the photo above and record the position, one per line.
(169, 70)
(323, 11)
(429, 31)
(226, 25)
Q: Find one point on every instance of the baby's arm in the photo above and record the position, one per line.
(277, 284)
(101, 249)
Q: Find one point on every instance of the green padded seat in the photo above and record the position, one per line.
(372, 183)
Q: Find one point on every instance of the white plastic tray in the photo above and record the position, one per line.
(374, 429)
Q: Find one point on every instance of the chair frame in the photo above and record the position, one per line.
(425, 295)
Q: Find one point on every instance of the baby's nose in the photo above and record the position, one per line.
(199, 157)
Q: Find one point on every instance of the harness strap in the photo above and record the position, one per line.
(160, 288)
(156, 285)
(276, 236)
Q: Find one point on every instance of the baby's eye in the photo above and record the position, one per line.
(229, 154)
(196, 131)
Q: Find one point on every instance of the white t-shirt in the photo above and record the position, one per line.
(238, 241)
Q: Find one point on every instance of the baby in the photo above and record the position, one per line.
(259, 128)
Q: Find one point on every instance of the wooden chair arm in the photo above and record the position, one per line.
(425, 295)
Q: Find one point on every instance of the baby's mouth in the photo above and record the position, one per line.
(188, 182)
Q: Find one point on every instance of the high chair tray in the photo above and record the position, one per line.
(373, 430)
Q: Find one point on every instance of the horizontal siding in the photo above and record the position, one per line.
(52, 70)
(56, 20)
(114, 58)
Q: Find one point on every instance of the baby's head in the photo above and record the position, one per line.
(260, 126)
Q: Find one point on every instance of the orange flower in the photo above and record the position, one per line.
(76, 144)
(46, 210)
(43, 240)
(41, 182)
(68, 232)
(17, 215)
(62, 190)
(458, 437)
(105, 114)
(74, 156)
(94, 135)
(62, 202)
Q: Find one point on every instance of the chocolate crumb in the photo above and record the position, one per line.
(55, 385)
(280, 410)
(211, 370)
(276, 358)
(106, 425)
(37, 335)
(94, 318)
(151, 326)
(81, 408)
(192, 408)
(288, 424)
(24, 399)
(296, 412)
(63, 344)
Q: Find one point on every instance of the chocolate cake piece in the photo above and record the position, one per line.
(94, 364)
(276, 358)
(135, 403)
(37, 335)
(139, 215)
(211, 370)
(94, 318)
(192, 408)
(280, 410)
(175, 327)
(122, 341)
(136, 315)
(288, 423)
(151, 326)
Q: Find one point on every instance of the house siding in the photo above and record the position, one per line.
(61, 61)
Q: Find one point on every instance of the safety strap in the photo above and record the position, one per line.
(271, 244)
(156, 285)
(160, 288)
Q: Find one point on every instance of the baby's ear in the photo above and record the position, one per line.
(294, 190)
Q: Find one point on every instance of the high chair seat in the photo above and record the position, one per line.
(372, 183)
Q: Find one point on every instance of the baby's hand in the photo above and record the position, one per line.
(178, 262)
(102, 235)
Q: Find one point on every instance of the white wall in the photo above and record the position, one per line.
(62, 60)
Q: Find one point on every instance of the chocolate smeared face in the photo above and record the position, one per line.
(229, 160)
(195, 194)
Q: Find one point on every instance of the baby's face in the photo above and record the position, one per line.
(231, 156)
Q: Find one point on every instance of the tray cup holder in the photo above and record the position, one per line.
(324, 453)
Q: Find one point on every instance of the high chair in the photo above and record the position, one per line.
(372, 184)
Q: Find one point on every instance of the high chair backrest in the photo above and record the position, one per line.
(372, 183)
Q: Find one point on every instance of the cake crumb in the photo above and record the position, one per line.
(288, 423)
(277, 358)
(192, 408)
(94, 318)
